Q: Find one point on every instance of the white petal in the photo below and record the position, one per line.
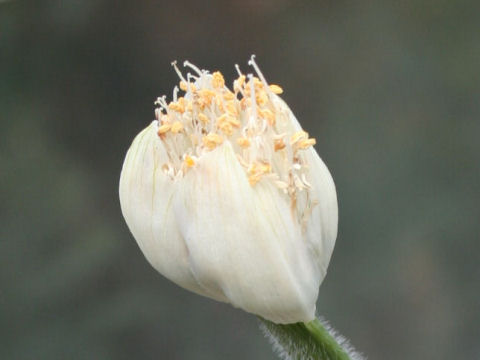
(243, 242)
(321, 231)
(146, 200)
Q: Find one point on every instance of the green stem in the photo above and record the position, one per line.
(326, 341)
(308, 341)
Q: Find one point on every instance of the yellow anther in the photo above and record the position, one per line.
(207, 93)
(189, 106)
(162, 130)
(238, 84)
(219, 101)
(212, 140)
(243, 142)
(254, 179)
(188, 161)
(231, 108)
(278, 144)
(177, 126)
(187, 86)
(226, 128)
(183, 86)
(275, 89)
(256, 171)
(234, 121)
(178, 106)
(221, 119)
(206, 97)
(257, 83)
(304, 144)
(203, 118)
(217, 80)
(224, 124)
(299, 135)
(228, 96)
(268, 115)
(261, 97)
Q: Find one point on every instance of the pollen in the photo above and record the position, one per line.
(249, 115)
(305, 144)
(261, 97)
(188, 161)
(203, 118)
(206, 97)
(275, 89)
(228, 96)
(231, 108)
(299, 135)
(234, 121)
(212, 140)
(183, 85)
(217, 80)
(178, 106)
(176, 127)
(278, 144)
(243, 142)
(238, 84)
(163, 129)
(256, 171)
(268, 115)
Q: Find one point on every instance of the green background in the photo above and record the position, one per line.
(391, 92)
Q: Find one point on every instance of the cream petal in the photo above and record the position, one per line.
(243, 240)
(321, 231)
(146, 195)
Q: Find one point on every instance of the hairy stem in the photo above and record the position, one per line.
(308, 341)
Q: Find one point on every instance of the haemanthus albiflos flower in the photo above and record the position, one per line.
(227, 197)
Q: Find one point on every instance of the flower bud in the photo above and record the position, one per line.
(227, 197)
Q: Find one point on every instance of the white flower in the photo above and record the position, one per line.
(227, 197)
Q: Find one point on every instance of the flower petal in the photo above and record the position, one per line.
(321, 231)
(243, 240)
(146, 200)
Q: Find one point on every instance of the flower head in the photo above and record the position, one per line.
(227, 197)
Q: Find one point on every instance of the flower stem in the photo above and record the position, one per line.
(326, 341)
(308, 341)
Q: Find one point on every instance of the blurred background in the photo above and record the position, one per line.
(390, 90)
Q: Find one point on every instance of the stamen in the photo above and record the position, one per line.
(203, 118)
(183, 86)
(162, 130)
(238, 84)
(212, 140)
(304, 144)
(176, 127)
(179, 73)
(276, 89)
(238, 70)
(193, 67)
(278, 144)
(189, 162)
(252, 63)
(253, 116)
(217, 80)
(210, 114)
(243, 142)
(299, 135)
(175, 93)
